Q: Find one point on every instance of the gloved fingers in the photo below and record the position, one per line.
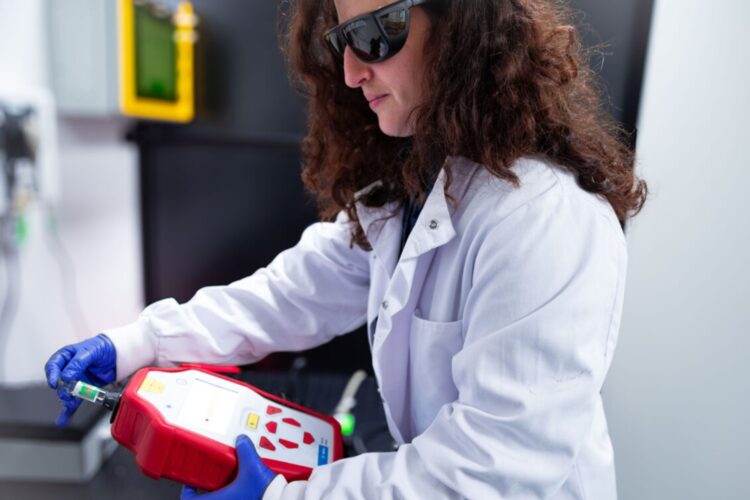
(64, 418)
(72, 403)
(250, 463)
(66, 398)
(253, 477)
(245, 451)
(106, 369)
(188, 493)
(78, 365)
(101, 377)
(56, 363)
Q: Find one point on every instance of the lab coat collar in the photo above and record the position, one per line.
(377, 221)
(433, 228)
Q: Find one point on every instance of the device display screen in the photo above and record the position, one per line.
(208, 407)
(155, 54)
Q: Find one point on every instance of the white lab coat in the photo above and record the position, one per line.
(491, 336)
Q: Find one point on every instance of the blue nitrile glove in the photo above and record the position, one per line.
(92, 361)
(253, 477)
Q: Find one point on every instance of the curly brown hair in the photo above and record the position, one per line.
(505, 79)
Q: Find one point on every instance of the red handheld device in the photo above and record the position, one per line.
(181, 424)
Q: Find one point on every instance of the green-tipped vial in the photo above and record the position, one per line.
(90, 393)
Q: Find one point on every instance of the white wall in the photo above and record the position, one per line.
(97, 217)
(678, 393)
(22, 46)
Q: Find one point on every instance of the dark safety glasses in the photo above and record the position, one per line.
(374, 36)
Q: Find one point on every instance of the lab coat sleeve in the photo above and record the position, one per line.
(539, 326)
(306, 296)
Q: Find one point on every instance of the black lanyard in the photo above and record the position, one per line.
(412, 209)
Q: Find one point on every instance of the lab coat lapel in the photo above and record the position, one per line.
(380, 226)
(391, 342)
(434, 226)
(433, 229)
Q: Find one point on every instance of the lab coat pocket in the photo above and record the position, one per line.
(432, 345)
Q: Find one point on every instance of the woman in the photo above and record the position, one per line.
(478, 194)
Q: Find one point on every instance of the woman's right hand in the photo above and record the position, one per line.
(92, 361)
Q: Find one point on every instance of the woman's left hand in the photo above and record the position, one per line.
(253, 477)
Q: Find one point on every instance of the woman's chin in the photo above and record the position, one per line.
(392, 129)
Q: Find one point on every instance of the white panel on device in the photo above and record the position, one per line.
(221, 410)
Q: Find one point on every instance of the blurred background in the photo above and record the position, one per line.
(105, 209)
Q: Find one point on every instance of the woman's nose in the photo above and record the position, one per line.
(356, 72)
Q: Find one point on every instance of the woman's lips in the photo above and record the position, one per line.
(375, 102)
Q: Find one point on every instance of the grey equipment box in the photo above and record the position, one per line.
(32, 448)
(82, 41)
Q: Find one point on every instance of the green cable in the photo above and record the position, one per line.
(22, 229)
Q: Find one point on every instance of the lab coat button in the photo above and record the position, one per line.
(385, 304)
(433, 224)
